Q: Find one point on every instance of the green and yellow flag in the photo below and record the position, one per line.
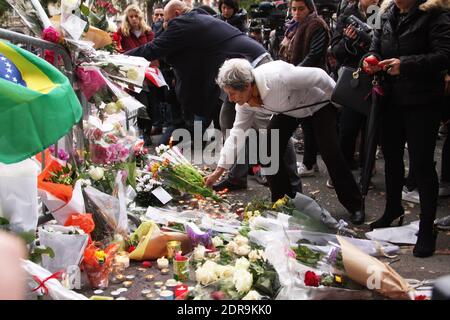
(37, 104)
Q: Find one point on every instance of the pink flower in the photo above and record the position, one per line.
(63, 155)
(50, 34)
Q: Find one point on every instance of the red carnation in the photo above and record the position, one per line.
(311, 279)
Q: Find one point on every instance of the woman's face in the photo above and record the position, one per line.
(299, 10)
(237, 96)
(227, 12)
(133, 19)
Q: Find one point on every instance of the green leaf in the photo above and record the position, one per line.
(36, 255)
(4, 221)
(28, 237)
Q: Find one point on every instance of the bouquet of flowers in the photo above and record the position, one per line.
(32, 14)
(144, 186)
(174, 170)
(97, 264)
(99, 12)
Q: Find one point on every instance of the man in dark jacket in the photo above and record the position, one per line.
(196, 44)
(413, 46)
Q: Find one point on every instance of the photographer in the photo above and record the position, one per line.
(232, 14)
(349, 44)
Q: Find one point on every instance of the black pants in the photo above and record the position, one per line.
(418, 126)
(310, 145)
(351, 123)
(324, 127)
(445, 163)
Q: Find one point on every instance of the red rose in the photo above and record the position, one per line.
(311, 279)
(131, 249)
(421, 297)
(218, 295)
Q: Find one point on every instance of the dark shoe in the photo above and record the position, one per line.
(386, 220)
(358, 217)
(425, 245)
(227, 184)
(261, 179)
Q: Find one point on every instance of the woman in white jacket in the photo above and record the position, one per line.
(289, 93)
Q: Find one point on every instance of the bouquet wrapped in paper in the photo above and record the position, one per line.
(175, 171)
(97, 264)
(67, 243)
(56, 190)
(150, 242)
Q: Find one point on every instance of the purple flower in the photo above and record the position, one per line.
(63, 155)
(51, 148)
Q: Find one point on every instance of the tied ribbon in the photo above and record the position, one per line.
(376, 89)
(56, 275)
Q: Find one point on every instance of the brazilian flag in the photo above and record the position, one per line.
(37, 104)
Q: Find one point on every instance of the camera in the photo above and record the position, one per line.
(363, 30)
(326, 9)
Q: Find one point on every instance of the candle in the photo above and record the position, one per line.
(181, 291)
(149, 277)
(127, 284)
(118, 278)
(165, 271)
(122, 259)
(158, 284)
(146, 292)
(163, 263)
(166, 295)
(130, 277)
(172, 247)
(146, 264)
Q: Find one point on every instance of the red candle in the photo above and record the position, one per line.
(146, 264)
(181, 291)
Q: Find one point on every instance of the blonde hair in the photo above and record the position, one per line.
(143, 27)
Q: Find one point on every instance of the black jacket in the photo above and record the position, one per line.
(349, 52)
(238, 20)
(196, 45)
(422, 43)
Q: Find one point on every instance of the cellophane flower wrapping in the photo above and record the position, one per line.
(97, 264)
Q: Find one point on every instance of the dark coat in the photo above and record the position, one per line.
(238, 20)
(348, 52)
(422, 43)
(132, 41)
(196, 45)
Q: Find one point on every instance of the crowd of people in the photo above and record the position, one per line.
(218, 74)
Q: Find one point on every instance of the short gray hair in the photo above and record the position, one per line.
(235, 73)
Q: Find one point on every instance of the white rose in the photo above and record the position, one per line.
(243, 280)
(132, 74)
(111, 108)
(240, 240)
(242, 263)
(224, 272)
(243, 250)
(120, 104)
(96, 173)
(217, 241)
(206, 274)
(112, 27)
(254, 255)
(252, 295)
(199, 253)
(231, 247)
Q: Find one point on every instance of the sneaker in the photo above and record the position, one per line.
(410, 196)
(303, 171)
(330, 184)
(444, 189)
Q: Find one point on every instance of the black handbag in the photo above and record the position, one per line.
(353, 90)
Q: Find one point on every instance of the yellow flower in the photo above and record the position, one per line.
(101, 256)
(280, 202)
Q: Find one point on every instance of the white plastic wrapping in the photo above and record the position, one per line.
(19, 195)
(402, 235)
(68, 248)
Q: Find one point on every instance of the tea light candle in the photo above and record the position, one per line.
(171, 284)
(123, 259)
(165, 271)
(121, 298)
(146, 292)
(118, 278)
(130, 277)
(158, 284)
(163, 263)
(127, 284)
(146, 264)
(149, 277)
(150, 296)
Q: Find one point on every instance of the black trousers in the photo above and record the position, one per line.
(351, 123)
(310, 145)
(324, 128)
(418, 126)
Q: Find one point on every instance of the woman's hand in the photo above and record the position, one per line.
(213, 177)
(371, 65)
(391, 66)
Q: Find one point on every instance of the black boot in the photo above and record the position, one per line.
(426, 240)
(388, 217)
